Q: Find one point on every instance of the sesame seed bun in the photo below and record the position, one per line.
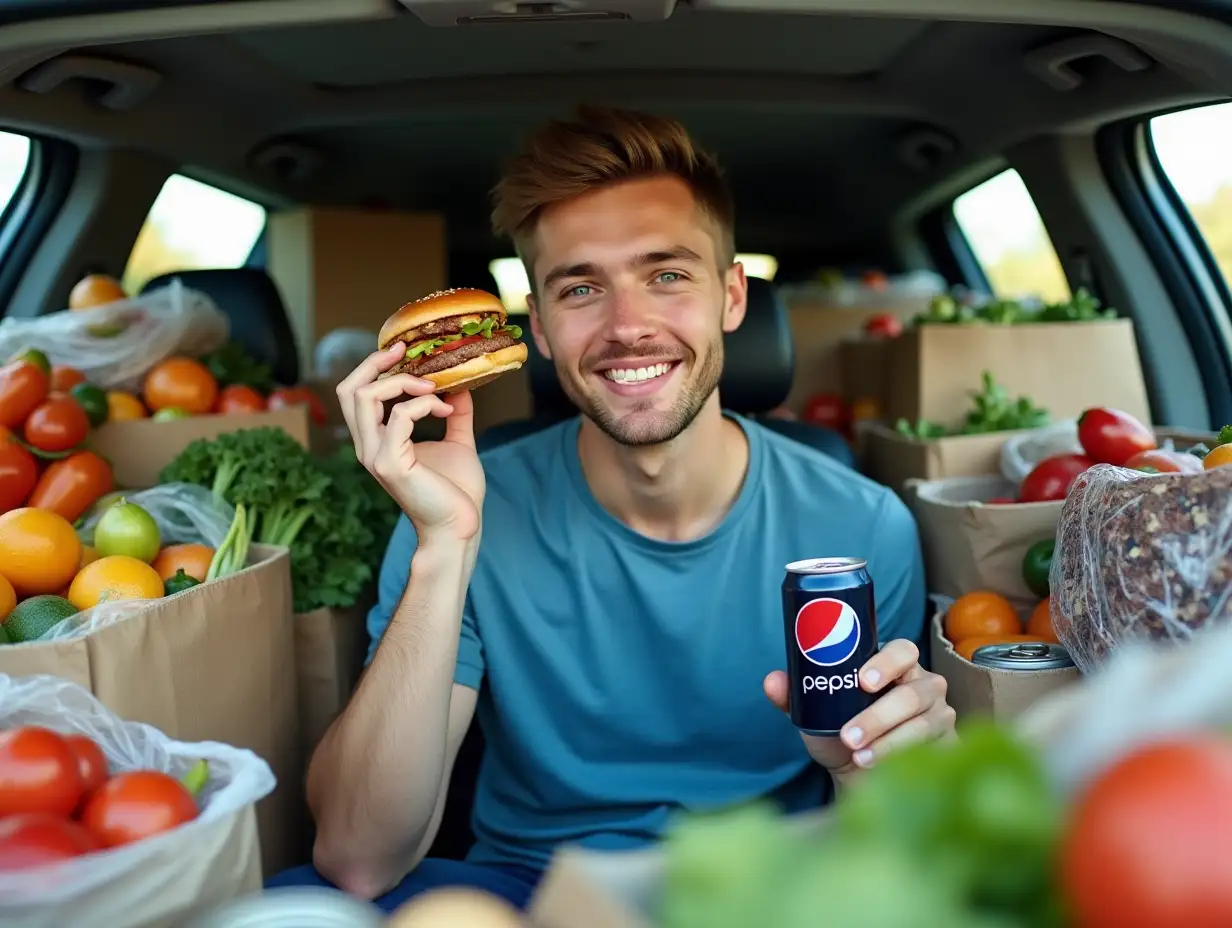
(439, 305)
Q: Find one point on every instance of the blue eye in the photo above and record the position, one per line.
(669, 277)
(577, 291)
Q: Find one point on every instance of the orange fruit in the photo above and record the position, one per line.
(8, 598)
(95, 290)
(122, 406)
(1040, 622)
(194, 560)
(112, 579)
(88, 556)
(181, 383)
(1218, 456)
(968, 646)
(64, 378)
(981, 613)
(39, 551)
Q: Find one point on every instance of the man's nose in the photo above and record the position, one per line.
(630, 318)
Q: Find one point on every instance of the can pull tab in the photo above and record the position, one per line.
(1029, 650)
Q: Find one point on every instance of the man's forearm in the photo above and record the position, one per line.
(374, 780)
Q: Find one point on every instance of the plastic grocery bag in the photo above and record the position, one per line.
(130, 885)
(1141, 556)
(116, 344)
(1021, 452)
(185, 513)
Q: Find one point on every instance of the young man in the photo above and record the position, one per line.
(613, 580)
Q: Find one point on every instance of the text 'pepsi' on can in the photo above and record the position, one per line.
(830, 622)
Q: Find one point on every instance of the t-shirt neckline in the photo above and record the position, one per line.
(748, 490)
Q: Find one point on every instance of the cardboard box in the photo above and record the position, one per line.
(987, 691)
(330, 647)
(864, 369)
(893, 459)
(969, 546)
(139, 448)
(214, 663)
(1063, 367)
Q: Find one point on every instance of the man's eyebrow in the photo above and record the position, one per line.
(675, 253)
(564, 271)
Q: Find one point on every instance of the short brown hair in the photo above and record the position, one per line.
(597, 147)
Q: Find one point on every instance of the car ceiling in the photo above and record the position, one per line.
(810, 115)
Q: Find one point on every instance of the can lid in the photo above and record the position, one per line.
(1031, 655)
(293, 907)
(826, 565)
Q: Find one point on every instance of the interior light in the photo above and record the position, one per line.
(513, 286)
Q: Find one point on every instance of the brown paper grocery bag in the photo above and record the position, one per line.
(893, 459)
(970, 546)
(330, 646)
(214, 663)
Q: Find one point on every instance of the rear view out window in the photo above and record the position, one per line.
(14, 159)
(1193, 148)
(1004, 229)
(190, 226)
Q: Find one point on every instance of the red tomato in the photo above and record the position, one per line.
(72, 486)
(828, 410)
(884, 325)
(18, 475)
(132, 806)
(237, 399)
(65, 378)
(1162, 461)
(38, 772)
(1147, 841)
(23, 386)
(37, 839)
(57, 424)
(875, 280)
(1109, 436)
(1052, 477)
(284, 397)
(450, 346)
(91, 762)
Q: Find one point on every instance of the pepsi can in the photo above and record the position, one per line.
(830, 622)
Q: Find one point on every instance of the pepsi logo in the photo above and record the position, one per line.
(827, 631)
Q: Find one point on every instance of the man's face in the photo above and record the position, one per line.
(632, 306)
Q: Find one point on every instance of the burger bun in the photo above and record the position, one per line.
(477, 371)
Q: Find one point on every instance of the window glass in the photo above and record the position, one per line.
(1192, 146)
(193, 225)
(1004, 229)
(513, 286)
(14, 159)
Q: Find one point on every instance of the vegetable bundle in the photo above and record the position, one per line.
(330, 513)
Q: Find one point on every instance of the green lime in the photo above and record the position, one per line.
(32, 618)
(93, 400)
(125, 528)
(38, 358)
(170, 413)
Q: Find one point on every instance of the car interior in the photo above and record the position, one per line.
(847, 129)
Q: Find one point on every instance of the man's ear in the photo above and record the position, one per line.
(737, 298)
(536, 327)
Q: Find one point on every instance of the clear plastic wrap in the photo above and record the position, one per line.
(137, 873)
(1141, 556)
(116, 344)
(1021, 452)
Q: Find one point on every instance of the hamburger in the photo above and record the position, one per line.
(458, 339)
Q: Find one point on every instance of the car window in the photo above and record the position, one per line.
(14, 159)
(1192, 147)
(513, 287)
(1003, 227)
(193, 225)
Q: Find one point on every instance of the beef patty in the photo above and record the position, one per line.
(442, 360)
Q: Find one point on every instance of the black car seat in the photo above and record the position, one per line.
(252, 304)
(759, 364)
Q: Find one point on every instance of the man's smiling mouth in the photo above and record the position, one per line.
(638, 374)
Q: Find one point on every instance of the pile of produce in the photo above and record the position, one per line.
(971, 834)
(47, 574)
(985, 617)
(330, 513)
(992, 411)
(834, 412)
(1081, 307)
(59, 800)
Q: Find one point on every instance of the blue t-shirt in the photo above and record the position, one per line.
(621, 675)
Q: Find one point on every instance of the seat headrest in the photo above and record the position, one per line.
(249, 299)
(759, 361)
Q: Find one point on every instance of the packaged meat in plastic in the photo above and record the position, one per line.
(1141, 556)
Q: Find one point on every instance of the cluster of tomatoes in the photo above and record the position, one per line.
(835, 413)
(59, 800)
(180, 387)
(46, 414)
(1110, 436)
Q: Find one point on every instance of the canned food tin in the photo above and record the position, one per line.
(1031, 655)
(830, 626)
(293, 907)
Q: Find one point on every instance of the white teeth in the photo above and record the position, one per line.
(635, 374)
